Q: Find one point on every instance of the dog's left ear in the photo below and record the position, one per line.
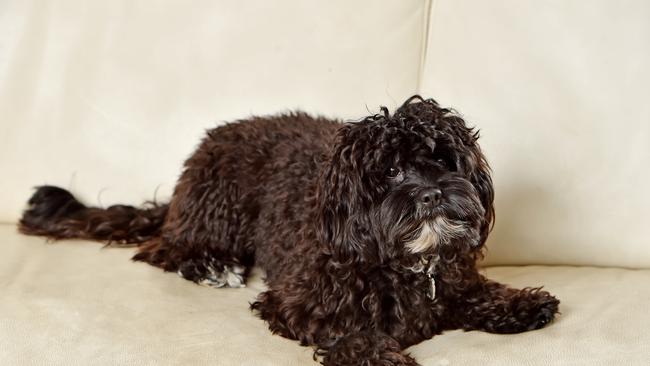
(342, 190)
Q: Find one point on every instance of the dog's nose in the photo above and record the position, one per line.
(430, 197)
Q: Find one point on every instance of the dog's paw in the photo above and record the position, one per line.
(367, 348)
(543, 307)
(530, 309)
(228, 276)
(214, 274)
(520, 311)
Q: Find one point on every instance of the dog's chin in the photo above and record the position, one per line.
(433, 232)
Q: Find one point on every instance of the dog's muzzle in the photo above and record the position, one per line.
(439, 231)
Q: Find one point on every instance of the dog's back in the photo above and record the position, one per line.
(269, 167)
(241, 192)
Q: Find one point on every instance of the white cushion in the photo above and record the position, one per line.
(75, 303)
(560, 91)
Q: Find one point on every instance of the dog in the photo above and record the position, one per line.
(369, 232)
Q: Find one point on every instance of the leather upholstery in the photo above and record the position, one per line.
(559, 90)
(108, 98)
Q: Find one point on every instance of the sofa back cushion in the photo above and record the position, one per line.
(560, 92)
(108, 98)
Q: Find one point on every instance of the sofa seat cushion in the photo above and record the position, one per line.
(74, 303)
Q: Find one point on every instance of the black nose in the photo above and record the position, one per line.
(430, 197)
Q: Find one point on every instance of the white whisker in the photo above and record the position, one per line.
(439, 231)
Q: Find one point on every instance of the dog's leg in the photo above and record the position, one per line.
(205, 268)
(497, 308)
(366, 348)
(206, 237)
(310, 307)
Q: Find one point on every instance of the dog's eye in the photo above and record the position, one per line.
(394, 173)
(446, 164)
(442, 162)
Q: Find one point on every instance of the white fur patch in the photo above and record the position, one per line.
(231, 276)
(426, 239)
(439, 231)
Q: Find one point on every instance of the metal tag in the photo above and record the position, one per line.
(432, 290)
(428, 268)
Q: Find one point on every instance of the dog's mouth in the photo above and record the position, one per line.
(433, 232)
(421, 229)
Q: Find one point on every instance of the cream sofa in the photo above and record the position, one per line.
(108, 98)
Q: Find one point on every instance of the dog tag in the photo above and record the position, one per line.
(432, 290)
(428, 269)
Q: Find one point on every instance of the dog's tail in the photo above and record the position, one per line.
(57, 214)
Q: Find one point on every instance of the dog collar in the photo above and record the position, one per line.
(427, 267)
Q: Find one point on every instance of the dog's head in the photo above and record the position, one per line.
(405, 184)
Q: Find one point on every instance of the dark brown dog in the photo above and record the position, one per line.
(368, 232)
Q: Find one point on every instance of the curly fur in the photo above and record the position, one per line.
(350, 221)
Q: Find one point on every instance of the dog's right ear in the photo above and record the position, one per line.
(341, 193)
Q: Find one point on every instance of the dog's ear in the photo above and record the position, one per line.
(482, 181)
(342, 191)
(471, 160)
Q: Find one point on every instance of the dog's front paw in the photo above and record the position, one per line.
(542, 309)
(529, 309)
(367, 348)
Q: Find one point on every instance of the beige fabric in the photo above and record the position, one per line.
(111, 96)
(108, 98)
(73, 303)
(560, 91)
